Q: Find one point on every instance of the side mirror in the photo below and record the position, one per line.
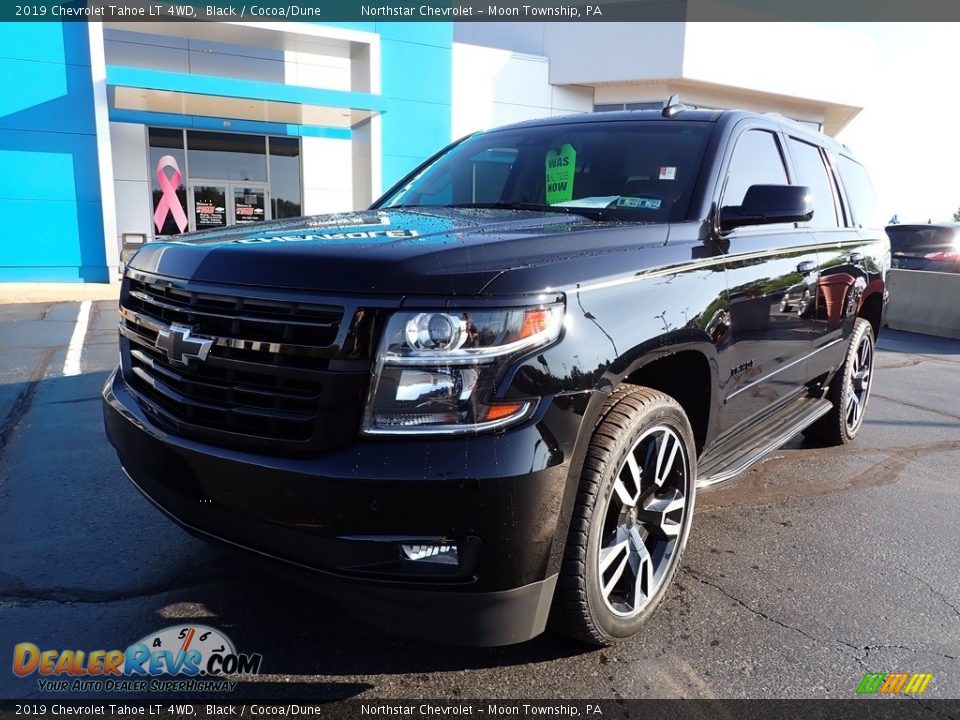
(767, 204)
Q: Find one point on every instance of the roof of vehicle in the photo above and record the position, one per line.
(685, 114)
(916, 226)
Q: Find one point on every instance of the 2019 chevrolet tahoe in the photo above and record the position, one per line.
(489, 399)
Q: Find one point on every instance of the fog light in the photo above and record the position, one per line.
(437, 554)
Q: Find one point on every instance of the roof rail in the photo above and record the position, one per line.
(672, 106)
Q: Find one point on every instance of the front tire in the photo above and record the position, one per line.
(849, 391)
(632, 517)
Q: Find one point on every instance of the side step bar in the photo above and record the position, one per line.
(759, 438)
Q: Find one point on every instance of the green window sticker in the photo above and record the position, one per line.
(560, 167)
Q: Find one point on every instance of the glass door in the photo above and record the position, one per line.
(208, 206)
(218, 203)
(250, 203)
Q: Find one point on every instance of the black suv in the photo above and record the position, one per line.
(931, 247)
(491, 397)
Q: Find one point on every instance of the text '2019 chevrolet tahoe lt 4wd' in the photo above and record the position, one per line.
(492, 396)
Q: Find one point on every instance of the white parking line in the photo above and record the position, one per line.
(71, 366)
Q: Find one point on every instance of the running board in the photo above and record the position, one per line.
(758, 439)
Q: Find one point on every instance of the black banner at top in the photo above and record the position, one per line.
(328, 11)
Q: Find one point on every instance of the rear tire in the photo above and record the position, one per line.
(632, 517)
(849, 391)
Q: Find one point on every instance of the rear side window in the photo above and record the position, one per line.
(812, 172)
(860, 194)
(756, 160)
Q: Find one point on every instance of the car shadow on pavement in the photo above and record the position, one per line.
(301, 632)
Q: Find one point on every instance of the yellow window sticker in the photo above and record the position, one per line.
(560, 166)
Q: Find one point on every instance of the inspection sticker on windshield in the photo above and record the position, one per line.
(560, 165)
(668, 172)
(639, 203)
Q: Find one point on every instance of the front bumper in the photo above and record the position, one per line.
(337, 519)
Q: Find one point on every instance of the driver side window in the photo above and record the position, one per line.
(756, 160)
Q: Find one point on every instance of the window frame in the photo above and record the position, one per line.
(855, 222)
(738, 133)
(839, 216)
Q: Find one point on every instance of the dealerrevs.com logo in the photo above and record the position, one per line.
(191, 658)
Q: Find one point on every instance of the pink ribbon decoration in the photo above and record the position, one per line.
(169, 202)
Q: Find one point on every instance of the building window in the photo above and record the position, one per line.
(205, 180)
(227, 156)
(168, 177)
(285, 177)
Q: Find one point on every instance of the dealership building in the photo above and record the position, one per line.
(116, 134)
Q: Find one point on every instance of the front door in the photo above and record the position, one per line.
(217, 203)
(772, 273)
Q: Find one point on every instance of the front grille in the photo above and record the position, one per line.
(267, 382)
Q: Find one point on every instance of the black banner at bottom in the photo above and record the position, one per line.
(894, 708)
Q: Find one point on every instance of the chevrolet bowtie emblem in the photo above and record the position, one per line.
(180, 346)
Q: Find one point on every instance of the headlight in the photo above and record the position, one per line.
(437, 371)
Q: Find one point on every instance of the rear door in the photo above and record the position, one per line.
(772, 273)
(853, 263)
(840, 280)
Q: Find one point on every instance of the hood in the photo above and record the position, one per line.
(422, 251)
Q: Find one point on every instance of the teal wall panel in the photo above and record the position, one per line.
(50, 184)
(416, 78)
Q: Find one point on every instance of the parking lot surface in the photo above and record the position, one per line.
(808, 571)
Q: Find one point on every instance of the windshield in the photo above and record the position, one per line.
(630, 170)
(921, 239)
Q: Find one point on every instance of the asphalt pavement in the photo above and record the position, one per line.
(811, 569)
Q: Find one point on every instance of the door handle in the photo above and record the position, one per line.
(807, 266)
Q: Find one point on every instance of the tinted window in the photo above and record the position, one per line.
(227, 155)
(859, 191)
(635, 170)
(285, 176)
(756, 161)
(813, 173)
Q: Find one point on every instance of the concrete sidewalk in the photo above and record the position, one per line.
(57, 292)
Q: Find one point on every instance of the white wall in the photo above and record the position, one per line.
(131, 179)
(362, 151)
(326, 67)
(317, 70)
(595, 52)
(494, 87)
(327, 175)
(522, 37)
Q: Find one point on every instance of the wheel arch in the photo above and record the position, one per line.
(652, 364)
(871, 307)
